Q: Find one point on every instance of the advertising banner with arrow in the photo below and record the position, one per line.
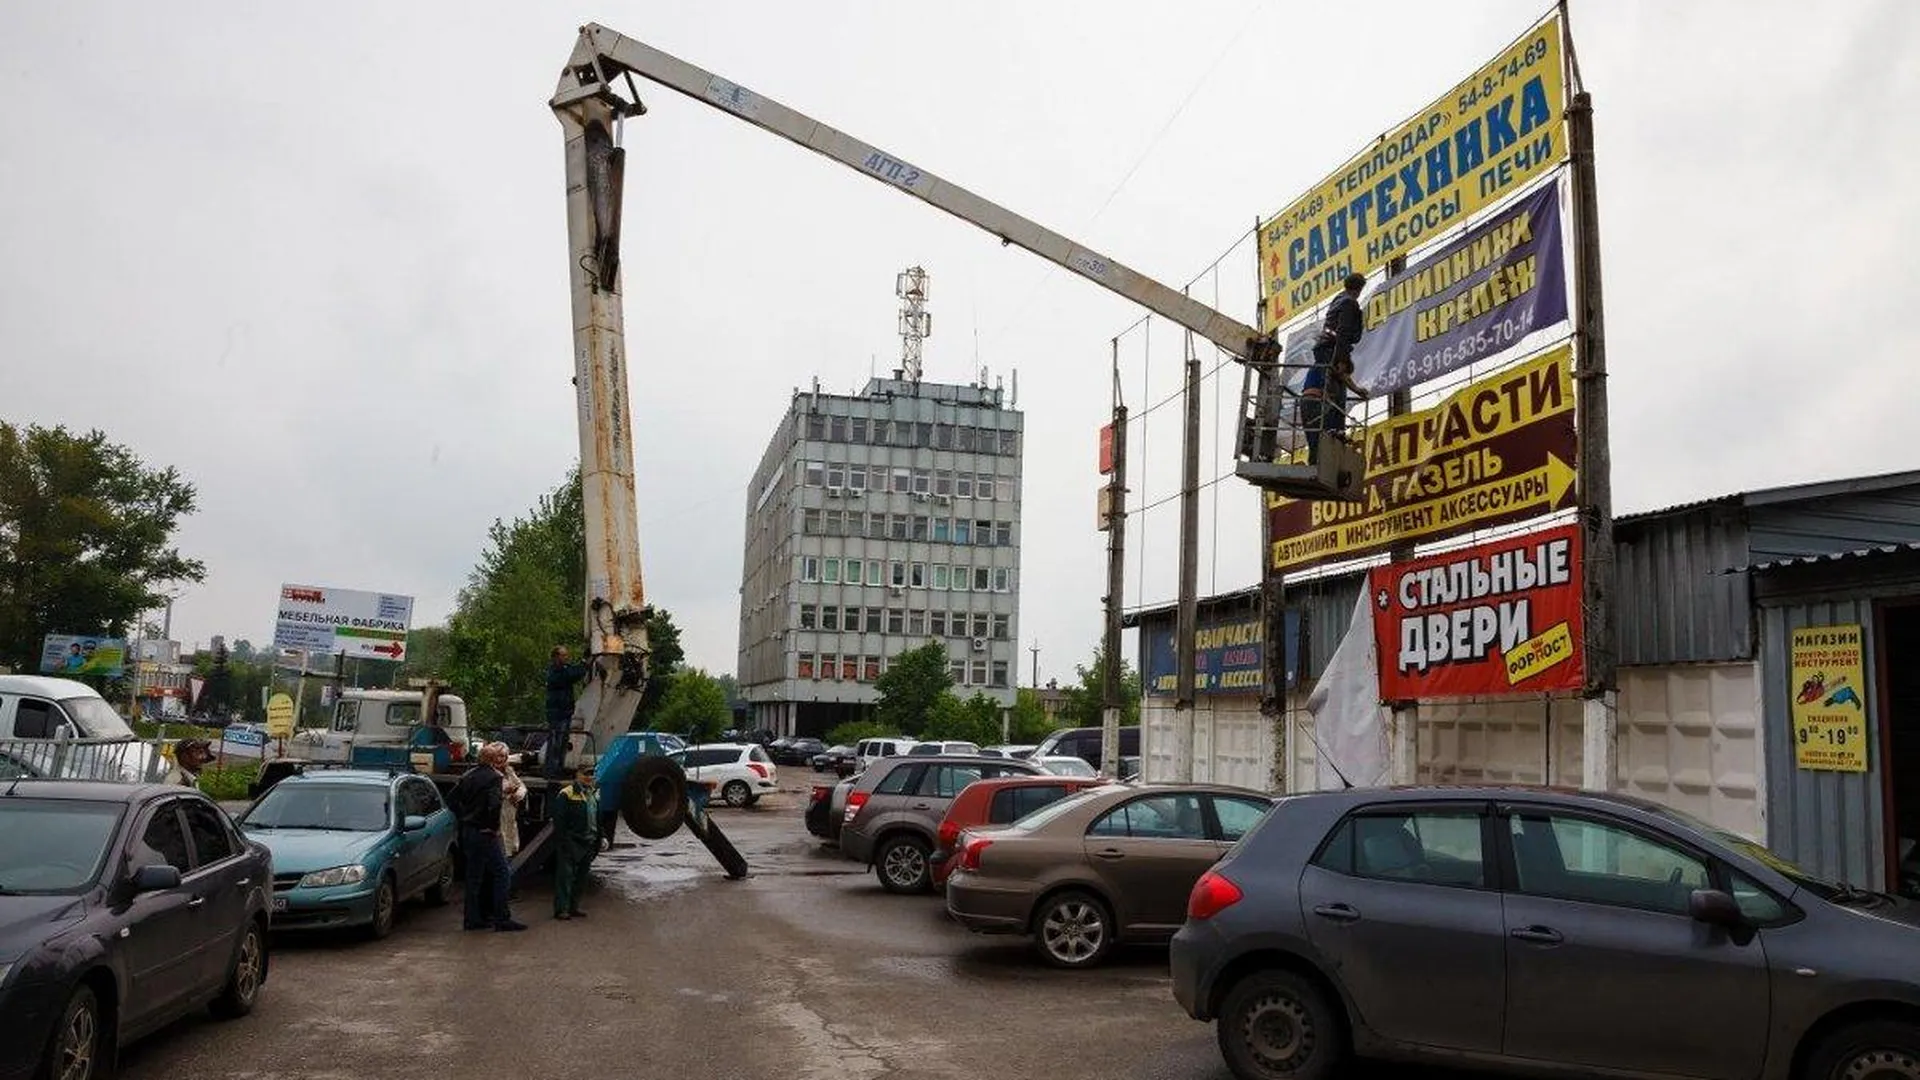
(1494, 452)
(368, 625)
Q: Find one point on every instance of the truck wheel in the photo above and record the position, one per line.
(736, 793)
(653, 798)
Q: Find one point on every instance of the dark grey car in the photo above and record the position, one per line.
(894, 809)
(1542, 930)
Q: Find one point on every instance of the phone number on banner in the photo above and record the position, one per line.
(1461, 351)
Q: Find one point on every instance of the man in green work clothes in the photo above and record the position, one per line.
(576, 817)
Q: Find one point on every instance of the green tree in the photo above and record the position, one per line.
(695, 705)
(853, 731)
(976, 720)
(86, 537)
(1085, 699)
(910, 686)
(1027, 721)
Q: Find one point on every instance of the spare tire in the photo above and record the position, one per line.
(653, 798)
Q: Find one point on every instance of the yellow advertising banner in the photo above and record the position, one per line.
(1829, 698)
(1495, 451)
(1485, 139)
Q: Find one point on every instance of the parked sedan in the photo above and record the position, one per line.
(351, 845)
(122, 908)
(1113, 863)
(1541, 930)
(830, 759)
(797, 751)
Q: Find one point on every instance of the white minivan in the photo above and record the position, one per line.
(63, 728)
(871, 750)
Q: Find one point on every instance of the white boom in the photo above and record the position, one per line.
(589, 101)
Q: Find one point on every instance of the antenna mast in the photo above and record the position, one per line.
(916, 322)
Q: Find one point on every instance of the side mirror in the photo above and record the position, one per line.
(155, 878)
(1716, 907)
(413, 823)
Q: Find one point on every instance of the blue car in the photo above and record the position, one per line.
(351, 845)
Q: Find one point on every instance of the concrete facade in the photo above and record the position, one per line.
(875, 523)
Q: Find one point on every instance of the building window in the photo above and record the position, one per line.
(903, 432)
(880, 432)
(829, 618)
(833, 522)
(837, 429)
(979, 624)
(873, 618)
(872, 664)
(1009, 444)
(857, 429)
(942, 530)
(831, 572)
(809, 568)
(979, 673)
(1003, 534)
(806, 616)
(963, 486)
(897, 575)
(943, 482)
(902, 480)
(957, 670)
(917, 575)
(853, 571)
(1000, 627)
(942, 576)
(816, 473)
(856, 478)
(917, 623)
(943, 436)
(983, 486)
(922, 482)
(850, 620)
(876, 527)
(836, 475)
(1000, 673)
(805, 670)
(810, 522)
(897, 526)
(983, 533)
(960, 578)
(829, 666)
(895, 621)
(963, 532)
(850, 668)
(874, 570)
(968, 437)
(937, 622)
(980, 579)
(816, 426)
(1002, 579)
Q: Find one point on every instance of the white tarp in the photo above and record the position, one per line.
(1349, 725)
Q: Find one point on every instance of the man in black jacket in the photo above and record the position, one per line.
(561, 677)
(476, 802)
(1323, 394)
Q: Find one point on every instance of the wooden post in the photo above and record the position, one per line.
(1111, 687)
(1187, 624)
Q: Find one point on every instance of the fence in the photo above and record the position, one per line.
(129, 761)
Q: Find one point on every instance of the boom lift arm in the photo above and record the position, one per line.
(595, 92)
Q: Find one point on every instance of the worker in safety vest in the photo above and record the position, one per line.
(1323, 394)
(576, 830)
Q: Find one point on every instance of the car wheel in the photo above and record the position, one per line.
(384, 902)
(73, 1051)
(1874, 1050)
(737, 793)
(249, 972)
(902, 865)
(1073, 930)
(1276, 1025)
(441, 890)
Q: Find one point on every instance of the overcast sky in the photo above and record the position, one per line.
(314, 255)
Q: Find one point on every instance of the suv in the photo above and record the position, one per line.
(999, 801)
(895, 807)
(739, 772)
(1085, 743)
(868, 751)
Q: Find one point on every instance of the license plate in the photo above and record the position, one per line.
(279, 903)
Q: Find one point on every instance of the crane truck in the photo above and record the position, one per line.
(596, 92)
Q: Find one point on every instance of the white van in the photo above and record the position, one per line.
(871, 750)
(36, 707)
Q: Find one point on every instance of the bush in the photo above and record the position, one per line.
(230, 783)
(850, 733)
(147, 729)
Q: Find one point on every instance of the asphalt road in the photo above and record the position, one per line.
(806, 970)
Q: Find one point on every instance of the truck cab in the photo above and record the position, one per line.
(376, 728)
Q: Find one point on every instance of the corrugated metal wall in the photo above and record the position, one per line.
(1676, 603)
(1832, 823)
(1837, 523)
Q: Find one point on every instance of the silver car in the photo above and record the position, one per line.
(894, 809)
(1543, 931)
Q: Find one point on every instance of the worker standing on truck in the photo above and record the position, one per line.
(576, 827)
(561, 675)
(1323, 393)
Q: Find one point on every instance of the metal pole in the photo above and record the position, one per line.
(1599, 722)
(1187, 625)
(1111, 688)
(1273, 619)
(1035, 650)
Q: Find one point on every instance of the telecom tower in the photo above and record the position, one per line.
(916, 322)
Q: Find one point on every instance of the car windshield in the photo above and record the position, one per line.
(53, 845)
(96, 718)
(340, 807)
(1044, 816)
(1069, 766)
